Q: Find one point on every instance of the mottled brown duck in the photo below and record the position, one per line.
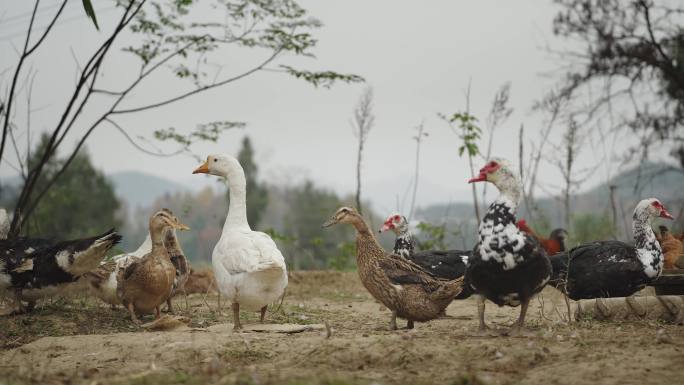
(401, 285)
(103, 280)
(180, 262)
(148, 282)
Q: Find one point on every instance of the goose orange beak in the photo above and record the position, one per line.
(203, 169)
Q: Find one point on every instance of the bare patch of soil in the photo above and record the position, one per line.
(80, 341)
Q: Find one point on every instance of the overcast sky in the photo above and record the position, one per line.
(418, 56)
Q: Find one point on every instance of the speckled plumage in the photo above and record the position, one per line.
(508, 267)
(611, 268)
(180, 263)
(145, 283)
(444, 264)
(33, 268)
(397, 283)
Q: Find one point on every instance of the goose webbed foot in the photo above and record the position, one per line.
(236, 316)
(409, 324)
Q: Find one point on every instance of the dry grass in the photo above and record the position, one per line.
(80, 341)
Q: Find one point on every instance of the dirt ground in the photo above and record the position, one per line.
(79, 341)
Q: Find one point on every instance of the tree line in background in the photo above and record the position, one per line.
(625, 74)
(83, 202)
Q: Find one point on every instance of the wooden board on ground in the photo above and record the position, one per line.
(268, 328)
(667, 308)
(671, 282)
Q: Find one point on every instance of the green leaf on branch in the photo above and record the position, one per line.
(322, 78)
(88, 7)
(207, 132)
(469, 132)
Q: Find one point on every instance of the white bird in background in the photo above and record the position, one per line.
(249, 268)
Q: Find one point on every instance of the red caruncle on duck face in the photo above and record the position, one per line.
(489, 168)
(391, 223)
(662, 211)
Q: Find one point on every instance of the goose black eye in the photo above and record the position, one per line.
(215, 160)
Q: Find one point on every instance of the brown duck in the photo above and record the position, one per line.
(401, 285)
(148, 282)
(180, 262)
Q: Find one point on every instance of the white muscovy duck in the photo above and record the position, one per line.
(605, 269)
(249, 268)
(446, 264)
(508, 267)
(32, 268)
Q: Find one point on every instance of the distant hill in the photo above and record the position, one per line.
(141, 189)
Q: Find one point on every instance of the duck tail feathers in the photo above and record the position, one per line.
(109, 238)
(448, 290)
(89, 257)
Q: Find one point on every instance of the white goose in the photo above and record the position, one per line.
(249, 268)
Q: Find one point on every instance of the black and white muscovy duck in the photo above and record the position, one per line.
(612, 268)
(508, 267)
(446, 264)
(405, 243)
(32, 268)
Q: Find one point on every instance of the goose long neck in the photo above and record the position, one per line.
(237, 208)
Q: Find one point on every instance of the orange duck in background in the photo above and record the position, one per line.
(672, 247)
(553, 245)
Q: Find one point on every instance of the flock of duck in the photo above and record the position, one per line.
(507, 266)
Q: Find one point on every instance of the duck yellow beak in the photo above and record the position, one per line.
(203, 169)
(181, 226)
